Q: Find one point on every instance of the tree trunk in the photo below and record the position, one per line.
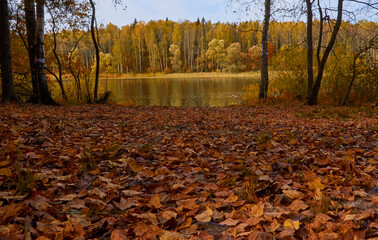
(59, 78)
(8, 93)
(264, 53)
(310, 69)
(97, 49)
(44, 93)
(313, 97)
(31, 33)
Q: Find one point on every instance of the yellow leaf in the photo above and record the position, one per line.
(205, 216)
(316, 184)
(155, 201)
(291, 224)
(5, 172)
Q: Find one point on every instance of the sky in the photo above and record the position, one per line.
(145, 10)
(176, 10)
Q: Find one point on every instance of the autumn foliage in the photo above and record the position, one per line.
(113, 172)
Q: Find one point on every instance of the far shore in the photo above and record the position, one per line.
(181, 75)
(254, 74)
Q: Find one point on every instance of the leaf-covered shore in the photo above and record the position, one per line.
(115, 172)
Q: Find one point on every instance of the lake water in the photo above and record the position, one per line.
(211, 92)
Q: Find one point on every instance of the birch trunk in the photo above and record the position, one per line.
(264, 53)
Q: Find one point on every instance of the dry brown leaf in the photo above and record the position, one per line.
(293, 194)
(166, 235)
(7, 172)
(118, 235)
(230, 222)
(298, 205)
(188, 204)
(168, 214)
(205, 216)
(126, 203)
(155, 201)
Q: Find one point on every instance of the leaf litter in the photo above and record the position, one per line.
(114, 172)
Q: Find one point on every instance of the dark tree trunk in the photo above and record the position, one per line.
(8, 93)
(310, 69)
(313, 97)
(264, 53)
(40, 56)
(97, 49)
(31, 33)
(319, 48)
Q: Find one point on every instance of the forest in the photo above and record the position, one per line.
(296, 160)
(165, 46)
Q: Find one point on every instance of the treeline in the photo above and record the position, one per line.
(201, 46)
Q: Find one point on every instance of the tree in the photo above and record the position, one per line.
(264, 52)
(315, 87)
(313, 93)
(176, 57)
(36, 47)
(8, 92)
(310, 69)
(94, 34)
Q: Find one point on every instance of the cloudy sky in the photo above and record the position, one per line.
(214, 10)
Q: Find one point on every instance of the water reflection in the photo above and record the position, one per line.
(213, 92)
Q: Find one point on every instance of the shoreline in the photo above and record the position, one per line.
(181, 75)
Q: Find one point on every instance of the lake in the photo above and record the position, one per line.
(188, 92)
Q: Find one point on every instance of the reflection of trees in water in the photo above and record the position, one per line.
(178, 92)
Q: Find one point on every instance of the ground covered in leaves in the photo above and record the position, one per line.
(114, 172)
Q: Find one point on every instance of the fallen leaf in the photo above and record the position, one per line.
(118, 235)
(166, 235)
(128, 203)
(205, 216)
(291, 224)
(66, 198)
(230, 222)
(293, 194)
(298, 205)
(5, 172)
(133, 165)
(155, 201)
(316, 184)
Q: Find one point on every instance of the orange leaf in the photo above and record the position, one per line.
(155, 201)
